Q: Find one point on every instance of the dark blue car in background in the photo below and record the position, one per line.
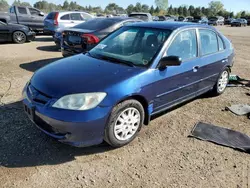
(137, 71)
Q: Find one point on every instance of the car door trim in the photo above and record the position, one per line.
(168, 92)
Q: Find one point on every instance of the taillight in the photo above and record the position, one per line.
(91, 39)
(56, 19)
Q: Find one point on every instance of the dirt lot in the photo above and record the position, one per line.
(162, 155)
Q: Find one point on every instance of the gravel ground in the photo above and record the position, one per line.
(162, 156)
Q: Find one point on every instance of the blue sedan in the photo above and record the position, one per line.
(137, 71)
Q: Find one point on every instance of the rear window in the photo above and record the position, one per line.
(97, 24)
(139, 16)
(76, 16)
(51, 16)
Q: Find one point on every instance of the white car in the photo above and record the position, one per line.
(55, 20)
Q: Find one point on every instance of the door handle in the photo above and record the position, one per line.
(195, 68)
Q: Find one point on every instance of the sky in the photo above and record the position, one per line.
(230, 5)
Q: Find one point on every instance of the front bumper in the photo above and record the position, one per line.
(76, 128)
(31, 36)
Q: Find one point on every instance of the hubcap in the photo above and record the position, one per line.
(19, 36)
(223, 81)
(127, 124)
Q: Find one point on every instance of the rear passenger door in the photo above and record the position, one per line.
(76, 18)
(213, 59)
(65, 21)
(23, 16)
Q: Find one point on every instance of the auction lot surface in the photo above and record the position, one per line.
(162, 155)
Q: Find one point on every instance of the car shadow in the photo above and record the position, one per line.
(35, 65)
(23, 145)
(43, 39)
(51, 48)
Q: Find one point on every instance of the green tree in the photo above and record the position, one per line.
(175, 11)
(138, 7)
(112, 8)
(203, 10)
(185, 11)
(215, 7)
(231, 15)
(180, 11)
(162, 4)
(197, 11)
(157, 10)
(4, 5)
(243, 14)
(145, 8)
(191, 10)
(130, 9)
(19, 3)
(151, 11)
(170, 10)
(65, 5)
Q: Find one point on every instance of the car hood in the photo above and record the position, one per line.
(80, 74)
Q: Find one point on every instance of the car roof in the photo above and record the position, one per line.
(171, 25)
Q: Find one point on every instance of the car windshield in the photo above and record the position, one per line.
(213, 18)
(96, 24)
(143, 17)
(131, 45)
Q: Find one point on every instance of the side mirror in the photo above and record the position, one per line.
(41, 14)
(169, 61)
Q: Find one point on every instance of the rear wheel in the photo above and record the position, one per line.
(125, 121)
(221, 83)
(19, 37)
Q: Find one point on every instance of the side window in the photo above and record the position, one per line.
(209, 42)
(34, 12)
(22, 10)
(65, 17)
(75, 16)
(184, 45)
(221, 44)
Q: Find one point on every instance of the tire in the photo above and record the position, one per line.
(221, 83)
(119, 133)
(19, 37)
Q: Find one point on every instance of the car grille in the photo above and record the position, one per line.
(37, 96)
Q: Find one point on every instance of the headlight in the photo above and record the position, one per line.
(82, 101)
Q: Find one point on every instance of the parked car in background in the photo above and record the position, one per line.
(247, 18)
(156, 18)
(189, 19)
(162, 18)
(85, 36)
(228, 21)
(58, 37)
(147, 17)
(181, 19)
(56, 20)
(136, 72)
(28, 16)
(216, 20)
(239, 22)
(171, 17)
(15, 33)
(200, 20)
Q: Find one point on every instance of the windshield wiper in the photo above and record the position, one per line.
(121, 61)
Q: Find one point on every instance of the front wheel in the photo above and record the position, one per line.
(125, 121)
(221, 83)
(19, 37)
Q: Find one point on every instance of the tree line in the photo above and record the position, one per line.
(214, 8)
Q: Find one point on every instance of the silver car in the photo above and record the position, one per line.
(55, 20)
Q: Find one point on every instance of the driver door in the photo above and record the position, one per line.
(178, 83)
